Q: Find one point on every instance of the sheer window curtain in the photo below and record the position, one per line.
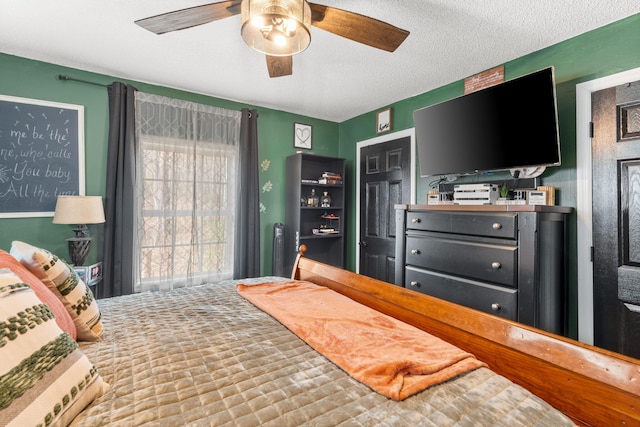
(188, 169)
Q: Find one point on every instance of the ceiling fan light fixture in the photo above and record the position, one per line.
(276, 27)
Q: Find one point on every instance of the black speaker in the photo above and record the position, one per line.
(277, 266)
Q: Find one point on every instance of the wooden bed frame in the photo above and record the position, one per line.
(592, 386)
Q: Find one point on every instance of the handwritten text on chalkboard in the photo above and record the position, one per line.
(41, 155)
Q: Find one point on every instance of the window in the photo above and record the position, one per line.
(187, 199)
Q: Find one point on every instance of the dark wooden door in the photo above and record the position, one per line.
(385, 180)
(616, 218)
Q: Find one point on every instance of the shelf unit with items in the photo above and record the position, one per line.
(314, 212)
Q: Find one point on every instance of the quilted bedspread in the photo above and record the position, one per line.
(205, 356)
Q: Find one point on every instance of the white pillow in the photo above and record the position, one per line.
(65, 283)
(45, 379)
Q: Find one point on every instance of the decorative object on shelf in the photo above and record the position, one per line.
(330, 178)
(536, 197)
(302, 135)
(331, 223)
(543, 195)
(79, 210)
(327, 230)
(504, 191)
(383, 121)
(551, 194)
(313, 200)
(91, 275)
(433, 197)
(475, 194)
(325, 201)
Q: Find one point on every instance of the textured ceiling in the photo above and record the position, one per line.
(334, 79)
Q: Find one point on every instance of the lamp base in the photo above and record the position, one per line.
(79, 249)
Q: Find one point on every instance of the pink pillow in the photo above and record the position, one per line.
(63, 318)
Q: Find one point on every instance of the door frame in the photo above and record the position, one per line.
(411, 133)
(584, 194)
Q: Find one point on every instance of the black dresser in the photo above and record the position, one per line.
(506, 260)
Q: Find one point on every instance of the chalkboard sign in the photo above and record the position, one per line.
(41, 155)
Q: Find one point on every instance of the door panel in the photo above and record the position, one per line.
(616, 218)
(384, 182)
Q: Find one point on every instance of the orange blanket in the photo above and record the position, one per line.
(392, 357)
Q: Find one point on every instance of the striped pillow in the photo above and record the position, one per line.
(44, 294)
(45, 379)
(65, 283)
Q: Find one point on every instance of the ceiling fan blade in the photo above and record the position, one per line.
(190, 17)
(356, 27)
(279, 66)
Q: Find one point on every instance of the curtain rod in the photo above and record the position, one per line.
(63, 77)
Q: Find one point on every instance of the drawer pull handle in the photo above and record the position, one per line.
(495, 306)
(414, 284)
(496, 226)
(496, 265)
(415, 251)
(415, 220)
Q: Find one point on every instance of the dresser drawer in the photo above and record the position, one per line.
(479, 261)
(496, 300)
(501, 225)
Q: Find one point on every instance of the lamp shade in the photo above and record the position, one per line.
(276, 27)
(79, 210)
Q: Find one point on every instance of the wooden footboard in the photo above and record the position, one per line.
(590, 385)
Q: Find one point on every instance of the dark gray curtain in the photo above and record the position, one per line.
(119, 199)
(247, 244)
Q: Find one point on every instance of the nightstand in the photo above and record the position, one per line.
(91, 275)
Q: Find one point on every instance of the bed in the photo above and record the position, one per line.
(590, 385)
(207, 355)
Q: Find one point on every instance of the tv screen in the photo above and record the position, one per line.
(512, 125)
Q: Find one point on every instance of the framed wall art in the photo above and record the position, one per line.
(383, 121)
(41, 155)
(302, 135)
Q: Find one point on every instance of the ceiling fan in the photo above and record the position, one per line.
(281, 28)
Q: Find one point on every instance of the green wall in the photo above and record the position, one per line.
(608, 50)
(39, 80)
(605, 51)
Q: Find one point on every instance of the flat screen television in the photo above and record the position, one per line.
(512, 125)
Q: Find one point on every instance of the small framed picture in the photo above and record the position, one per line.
(302, 135)
(383, 121)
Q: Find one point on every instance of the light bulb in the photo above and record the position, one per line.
(280, 39)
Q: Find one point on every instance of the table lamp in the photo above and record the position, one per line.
(79, 210)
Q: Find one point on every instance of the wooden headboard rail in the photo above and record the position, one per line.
(590, 385)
